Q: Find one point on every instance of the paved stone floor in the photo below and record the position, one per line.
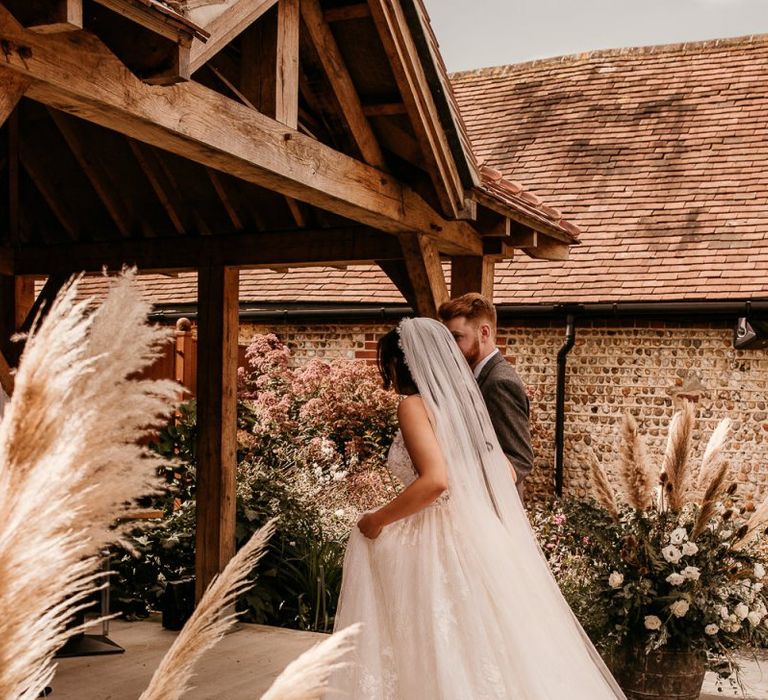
(242, 665)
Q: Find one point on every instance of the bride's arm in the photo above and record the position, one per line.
(424, 450)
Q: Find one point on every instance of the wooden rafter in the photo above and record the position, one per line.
(287, 79)
(235, 17)
(6, 376)
(48, 17)
(341, 82)
(34, 160)
(226, 200)
(12, 87)
(83, 77)
(337, 246)
(425, 272)
(346, 13)
(537, 245)
(406, 65)
(164, 187)
(97, 174)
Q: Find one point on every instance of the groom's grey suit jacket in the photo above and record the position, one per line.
(508, 407)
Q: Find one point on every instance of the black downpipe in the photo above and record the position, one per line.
(570, 338)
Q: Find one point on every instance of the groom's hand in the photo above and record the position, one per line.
(514, 472)
(370, 526)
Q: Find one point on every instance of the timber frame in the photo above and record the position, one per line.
(243, 133)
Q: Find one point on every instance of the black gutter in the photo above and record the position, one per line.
(562, 353)
(373, 312)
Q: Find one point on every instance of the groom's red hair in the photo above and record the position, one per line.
(472, 306)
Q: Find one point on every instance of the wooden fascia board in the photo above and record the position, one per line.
(530, 220)
(339, 246)
(78, 74)
(224, 27)
(411, 78)
(156, 17)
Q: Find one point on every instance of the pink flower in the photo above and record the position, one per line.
(559, 519)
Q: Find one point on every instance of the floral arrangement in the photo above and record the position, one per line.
(671, 560)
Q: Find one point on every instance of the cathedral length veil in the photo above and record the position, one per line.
(549, 653)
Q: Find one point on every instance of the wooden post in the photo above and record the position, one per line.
(216, 420)
(472, 274)
(185, 364)
(425, 271)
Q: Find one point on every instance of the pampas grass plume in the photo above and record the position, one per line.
(307, 677)
(210, 621)
(634, 468)
(71, 461)
(677, 454)
(601, 487)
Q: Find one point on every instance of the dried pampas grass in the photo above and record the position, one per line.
(713, 453)
(307, 677)
(714, 489)
(676, 458)
(70, 460)
(601, 486)
(210, 621)
(635, 470)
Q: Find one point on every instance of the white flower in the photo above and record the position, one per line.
(652, 622)
(678, 536)
(741, 611)
(339, 475)
(720, 508)
(689, 548)
(759, 570)
(672, 554)
(757, 587)
(339, 513)
(724, 612)
(679, 608)
(692, 573)
(675, 579)
(726, 534)
(711, 629)
(615, 579)
(755, 618)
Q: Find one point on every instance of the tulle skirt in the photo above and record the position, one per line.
(431, 628)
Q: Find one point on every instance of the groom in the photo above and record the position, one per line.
(471, 319)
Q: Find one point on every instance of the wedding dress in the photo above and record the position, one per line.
(457, 601)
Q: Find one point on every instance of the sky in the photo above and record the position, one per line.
(481, 33)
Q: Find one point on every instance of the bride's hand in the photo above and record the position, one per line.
(370, 526)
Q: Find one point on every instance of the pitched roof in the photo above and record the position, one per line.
(659, 155)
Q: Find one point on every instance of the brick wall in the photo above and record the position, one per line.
(643, 367)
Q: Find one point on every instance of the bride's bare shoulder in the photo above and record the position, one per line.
(413, 409)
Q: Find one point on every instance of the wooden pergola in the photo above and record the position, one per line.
(245, 133)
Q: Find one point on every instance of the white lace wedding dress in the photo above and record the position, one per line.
(456, 609)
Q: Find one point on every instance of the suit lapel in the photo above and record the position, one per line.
(498, 357)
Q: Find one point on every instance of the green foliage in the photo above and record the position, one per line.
(311, 447)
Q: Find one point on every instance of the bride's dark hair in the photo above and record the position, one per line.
(394, 372)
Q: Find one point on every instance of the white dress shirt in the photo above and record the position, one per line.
(479, 366)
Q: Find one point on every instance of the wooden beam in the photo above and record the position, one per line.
(12, 87)
(42, 303)
(12, 297)
(218, 307)
(339, 246)
(416, 92)
(84, 78)
(397, 272)
(99, 177)
(346, 13)
(425, 271)
(287, 88)
(537, 245)
(472, 274)
(236, 17)
(153, 16)
(384, 109)
(49, 16)
(25, 299)
(226, 200)
(341, 82)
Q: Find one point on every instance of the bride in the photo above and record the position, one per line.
(456, 599)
